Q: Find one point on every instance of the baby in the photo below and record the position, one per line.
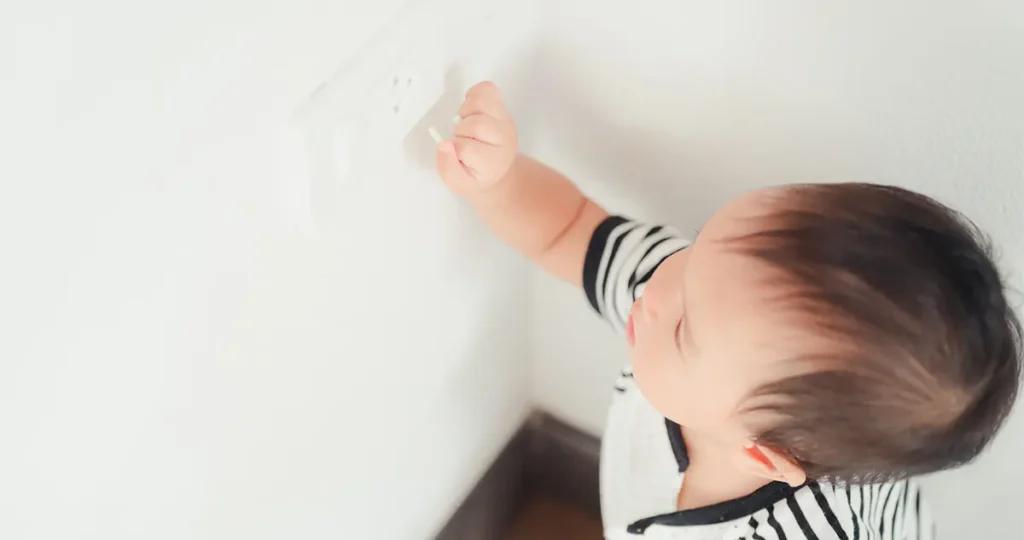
(793, 367)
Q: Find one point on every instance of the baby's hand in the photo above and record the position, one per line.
(484, 145)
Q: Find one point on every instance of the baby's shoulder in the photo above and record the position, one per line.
(825, 510)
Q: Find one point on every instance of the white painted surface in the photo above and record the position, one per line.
(664, 109)
(178, 360)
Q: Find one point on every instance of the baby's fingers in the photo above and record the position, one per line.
(482, 129)
(466, 164)
(451, 170)
(483, 162)
(484, 98)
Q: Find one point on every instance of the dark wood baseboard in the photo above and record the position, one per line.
(562, 462)
(488, 510)
(545, 457)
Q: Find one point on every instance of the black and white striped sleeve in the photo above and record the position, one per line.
(621, 257)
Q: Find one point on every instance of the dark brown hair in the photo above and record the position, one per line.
(929, 361)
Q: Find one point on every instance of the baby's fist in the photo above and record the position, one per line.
(484, 144)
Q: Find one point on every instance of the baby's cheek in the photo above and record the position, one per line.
(641, 367)
(715, 398)
(661, 385)
(645, 374)
(688, 397)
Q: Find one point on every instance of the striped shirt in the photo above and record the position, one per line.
(643, 455)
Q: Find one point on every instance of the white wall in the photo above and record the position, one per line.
(664, 109)
(176, 359)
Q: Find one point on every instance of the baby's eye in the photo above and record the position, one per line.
(679, 327)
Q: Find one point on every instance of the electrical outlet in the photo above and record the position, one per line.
(416, 88)
(354, 125)
(381, 93)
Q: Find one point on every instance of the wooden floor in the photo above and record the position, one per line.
(547, 519)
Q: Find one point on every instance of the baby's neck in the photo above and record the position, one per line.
(712, 476)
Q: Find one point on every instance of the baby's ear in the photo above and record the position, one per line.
(767, 463)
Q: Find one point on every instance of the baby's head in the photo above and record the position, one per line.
(846, 331)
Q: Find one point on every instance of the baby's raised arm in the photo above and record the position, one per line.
(525, 203)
